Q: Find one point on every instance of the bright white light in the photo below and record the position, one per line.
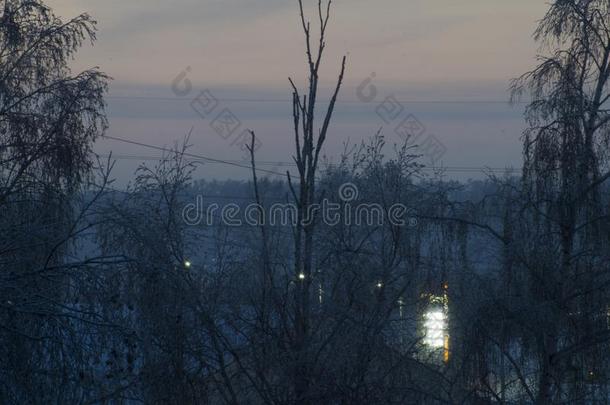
(301, 276)
(435, 325)
(379, 285)
(187, 264)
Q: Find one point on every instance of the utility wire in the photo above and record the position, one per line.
(281, 100)
(461, 169)
(198, 157)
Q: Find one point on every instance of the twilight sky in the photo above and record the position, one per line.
(448, 62)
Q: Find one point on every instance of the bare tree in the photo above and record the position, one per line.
(566, 161)
(309, 141)
(48, 121)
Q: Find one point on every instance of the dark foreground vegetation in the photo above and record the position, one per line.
(111, 297)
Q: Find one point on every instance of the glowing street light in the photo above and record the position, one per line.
(187, 264)
(301, 276)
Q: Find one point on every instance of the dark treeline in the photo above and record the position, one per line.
(139, 296)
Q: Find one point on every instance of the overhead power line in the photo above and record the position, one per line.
(288, 99)
(191, 155)
(462, 169)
